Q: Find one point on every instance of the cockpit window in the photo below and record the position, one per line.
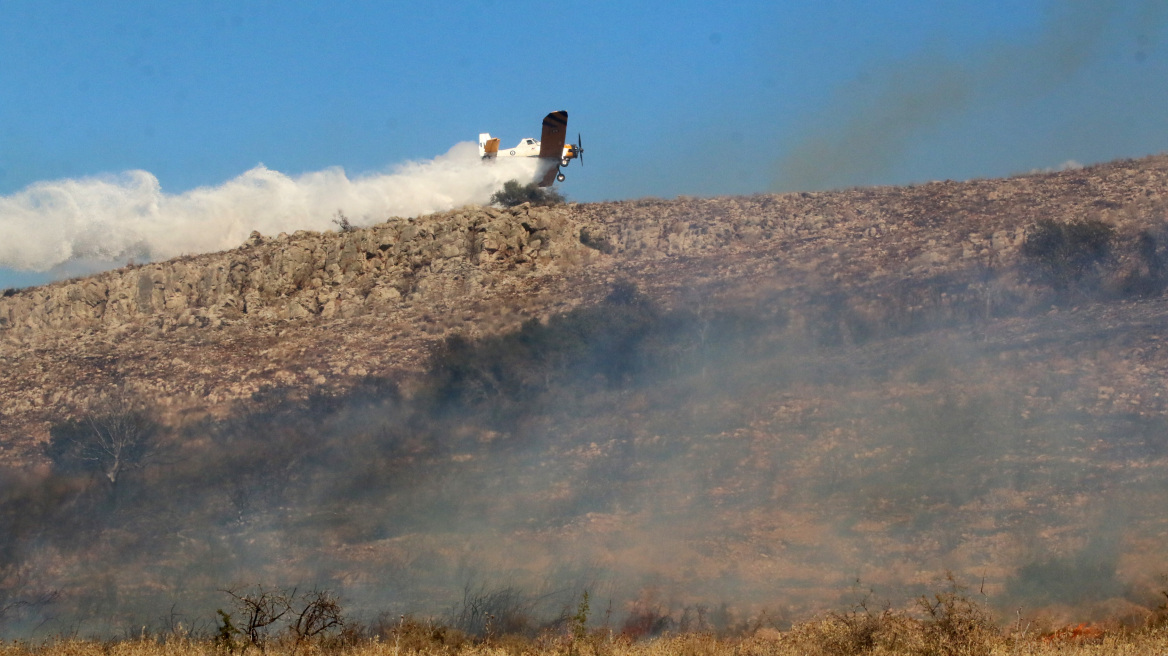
(531, 141)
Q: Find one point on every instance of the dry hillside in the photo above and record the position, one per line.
(747, 401)
(311, 310)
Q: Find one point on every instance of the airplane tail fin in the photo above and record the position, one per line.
(488, 147)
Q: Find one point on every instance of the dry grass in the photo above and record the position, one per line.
(831, 636)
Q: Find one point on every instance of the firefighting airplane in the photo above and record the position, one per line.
(550, 148)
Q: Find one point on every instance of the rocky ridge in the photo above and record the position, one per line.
(313, 312)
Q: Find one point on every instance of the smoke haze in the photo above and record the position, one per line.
(666, 461)
(93, 223)
(878, 119)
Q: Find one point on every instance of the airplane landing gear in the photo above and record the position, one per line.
(560, 177)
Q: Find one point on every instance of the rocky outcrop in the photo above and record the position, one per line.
(305, 275)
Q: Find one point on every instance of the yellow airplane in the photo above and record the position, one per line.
(549, 148)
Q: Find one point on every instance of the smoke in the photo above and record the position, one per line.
(678, 460)
(878, 120)
(92, 223)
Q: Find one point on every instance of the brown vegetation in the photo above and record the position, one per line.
(891, 634)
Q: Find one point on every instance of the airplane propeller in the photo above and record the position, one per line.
(580, 149)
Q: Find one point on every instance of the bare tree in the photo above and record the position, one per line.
(319, 612)
(16, 600)
(259, 609)
(116, 434)
(307, 616)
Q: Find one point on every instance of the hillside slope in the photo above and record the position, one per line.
(308, 310)
(736, 403)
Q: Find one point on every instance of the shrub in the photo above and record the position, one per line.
(499, 611)
(1064, 253)
(950, 624)
(1147, 277)
(226, 635)
(513, 193)
(408, 634)
(580, 620)
(955, 624)
(859, 630)
(595, 242)
(342, 222)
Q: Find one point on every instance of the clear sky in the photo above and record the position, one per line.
(672, 98)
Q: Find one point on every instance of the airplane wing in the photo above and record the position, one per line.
(550, 169)
(551, 142)
(551, 145)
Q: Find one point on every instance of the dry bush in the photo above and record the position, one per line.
(342, 222)
(950, 623)
(595, 240)
(1065, 254)
(486, 613)
(411, 635)
(956, 624)
(859, 631)
(260, 612)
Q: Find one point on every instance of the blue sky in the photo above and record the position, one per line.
(680, 98)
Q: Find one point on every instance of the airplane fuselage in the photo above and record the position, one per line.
(527, 147)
